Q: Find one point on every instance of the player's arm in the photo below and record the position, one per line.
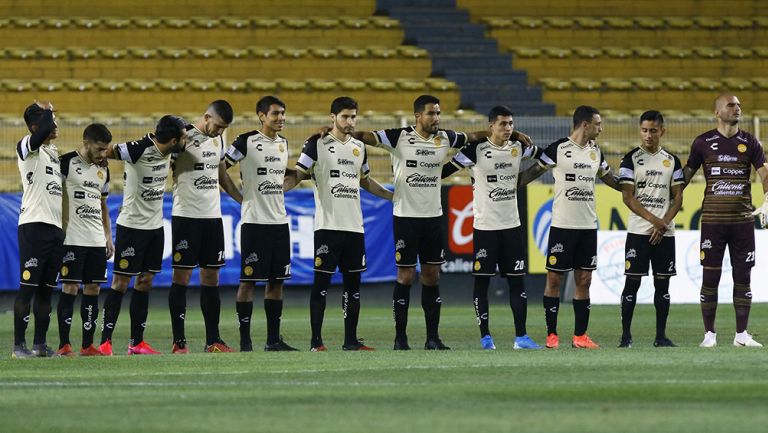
(688, 174)
(676, 197)
(292, 178)
(227, 184)
(366, 137)
(532, 173)
(612, 181)
(762, 211)
(628, 195)
(374, 187)
(448, 169)
(304, 164)
(44, 126)
(106, 224)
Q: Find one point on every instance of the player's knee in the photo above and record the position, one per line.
(430, 275)
(209, 277)
(406, 275)
(183, 276)
(583, 279)
(273, 290)
(245, 292)
(554, 281)
(70, 288)
(742, 273)
(120, 283)
(91, 289)
(144, 281)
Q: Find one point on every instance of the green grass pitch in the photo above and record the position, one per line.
(684, 389)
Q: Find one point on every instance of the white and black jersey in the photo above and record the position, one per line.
(494, 181)
(41, 182)
(85, 184)
(196, 176)
(653, 175)
(262, 169)
(575, 169)
(336, 168)
(417, 163)
(146, 171)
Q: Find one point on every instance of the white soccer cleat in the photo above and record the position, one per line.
(710, 340)
(743, 339)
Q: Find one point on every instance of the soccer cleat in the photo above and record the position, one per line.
(626, 342)
(663, 342)
(487, 343)
(180, 348)
(106, 348)
(401, 345)
(743, 339)
(279, 346)
(710, 340)
(143, 348)
(357, 345)
(20, 351)
(553, 341)
(584, 342)
(320, 348)
(219, 347)
(435, 344)
(525, 342)
(246, 345)
(65, 350)
(42, 350)
(90, 351)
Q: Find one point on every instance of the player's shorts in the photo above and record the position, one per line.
(571, 249)
(197, 242)
(422, 237)
(40, 250)
(265, 252)
(85, 265)
(339, 248)
(740, 239)
(504, 248)
(138, 251)
(638, 253)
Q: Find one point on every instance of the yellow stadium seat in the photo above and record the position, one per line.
(296, 23)
(48, 85)
(353, 52)
(232, 85)
(147, 22)
(55, 22)
(381, 85)
(708, 52)
(205, 22)
(292, 84)
(83, 53)
(680, 22)
(4, 23)
(557, 52)
(21, 53)
(142, 52)
(760, 83)
(172, 52)
(555, 84)
(702, 114)
(762, 114)
(618, 84)
(352, 85)
(738, 22)
(737, 52)
(761, 52)
(412, 52)
(614, 114)
(234, 52)
(559, 22)
(586, 84)
(711, 23)
(589, 22)
(236, 22)
(528, 22)
(25, 22)
(761, 21)
(440, 84)
(354, 22)
(266, 23)
(116, 22)
(323, 53)
(16, 85)
(112, 52)
(619, 22)
(326, 22)
(86, 22)
(78, 85)
(170, 85)
(618, 52)
(292, 52)
(109, 85)
(587, 52)
(140, 85)
(321, 85)
(647, 52)
(204, 53)
(678, 52)
(674, 83)
(53, 53)
(201, 85)
(496, 22)
(736, 83)
(651, 23)
(383, 22)
(264, 52)
(258, 85)
(526, 52)
(382, 52)
(411, 85)
(647, 83)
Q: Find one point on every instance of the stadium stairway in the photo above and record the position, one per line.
(461, 53)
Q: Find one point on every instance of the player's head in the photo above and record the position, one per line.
(651, 128)
(96, 139)
(501, 123)
(728, 109)
(588, 119)
(271, 112)
(344, 114)
(217, 118)
(426, 109)
(32, 117)
(171, 130)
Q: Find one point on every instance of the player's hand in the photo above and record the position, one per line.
(323, 131)
(522, 138)
(656, 237)
(110, 249)
(762, 212)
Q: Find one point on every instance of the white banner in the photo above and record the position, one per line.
(608, 279)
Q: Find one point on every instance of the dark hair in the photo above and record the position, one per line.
(343, 103)
(223, 110)
(652, 116)
(267, 101)
(421, 102)
(32, 115)
(499, 110)
(97, 133)
(583, 113)
(168, 128)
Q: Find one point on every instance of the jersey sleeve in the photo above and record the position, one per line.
(105, 188)
(604, 167)
(758, 156)
(466, 157)
(548, 157)
(365, 170)
(238, 150)
(627, 169)
(131, 151)
(387, 138)
(531, 152)
(677, 175)
(308, 155)
(64, 166)
(456, 139)
(695, 158)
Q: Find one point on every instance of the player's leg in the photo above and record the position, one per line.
(713, 242)
(185, 238)
(742, 251)
(486, 254)
(127, 265)
(139, 308)
(352, 264)
(254, 258)
(663, 261)
(177, 306)
(406, 249)
(327, 250)
(65, 309)
(112, 306)
(637, 255)
(89, 313)
(512, 264)
(211, 254)
(431, 256)
(585, 261)
(280, 270)
(244, 309)
(559, 261)
(41, 307)
(30, 273)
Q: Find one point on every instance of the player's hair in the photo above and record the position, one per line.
(32, 115)
(583, 113)
(499, 110)
(97, 133)
(168, 128)
(267, 101)
(652, 116)
(421, 102)
(343, 103)
(223, 110)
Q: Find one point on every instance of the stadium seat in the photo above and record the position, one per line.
(586, 84)
(205, 22)
(556, 52)
(292, 84)
(53, 53)
(559, 22)
(587, 52)
(78, 85)
(736, 83)
(167, 85)
(140, 85)
(496, 23)
(204, 53)
(354, 22)
(172, 52)
(678, 52)
(708, 52)
(710, 23)
(147, 22)
(112, 52)
(83, 53)
(383, 22)
(739, 22)
(761, 21)
(263, 52)
(682, 23)
(381, 85)
(618, 84)
(619, 22)
(236, 22)
(528, 22)
(321, 85)
(25, 22)
(382, 52)
(16, 85)
(201, 85)
(412, 52)
(55, 22)
(235, 53)
(650, 23)
(526, 52)
(295, 53)
(109, 85)
(760, 83)
(556, 84)
(261, 85)
(323, 53)
(647, 84)
(440, 84)
(647, 52)
(266, 23)
(48, 85)
(737, 52)
(21, 53)
(352, 85)
(232, 85)
(86, 22)
(589, 22)
(411, 85)
(618, 52)
(116, 22)
(296, 23)
(674, 83)
(326, 22)
(142, 52)
(353, 52)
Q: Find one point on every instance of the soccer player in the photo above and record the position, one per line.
(139, 235)
(576, 161)
(499, 239)
(88, 243)
(726, 153)
(652, 185)
(338, 166)
(418, 153)
(39, 231)
(197, 228)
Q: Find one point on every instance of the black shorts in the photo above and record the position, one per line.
(265, 252)
(422, 237)
(40, 250)
(499, 247)
(638, 253)
(84, 264)
(570, 249)
(197, 242)
(339, 248)
(138, 251)
(740, 239)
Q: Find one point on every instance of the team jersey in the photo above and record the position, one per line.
(653, 175)
(41, 183)
(262, 170)
(196, 176)
(574, 169)
(336, 168)
(726, 161)
(85, 184)
(146, 170)
(494, 181)
(417, 162)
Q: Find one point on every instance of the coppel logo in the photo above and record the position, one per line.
(541, 224)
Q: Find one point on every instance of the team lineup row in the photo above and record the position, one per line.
(72, 189)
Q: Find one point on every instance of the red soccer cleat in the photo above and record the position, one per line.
(143, 348)
(219, 347)
(91, 351)
(106, 348)
(180, 348)
(584, 342)
(553, 341)
(65, 350)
